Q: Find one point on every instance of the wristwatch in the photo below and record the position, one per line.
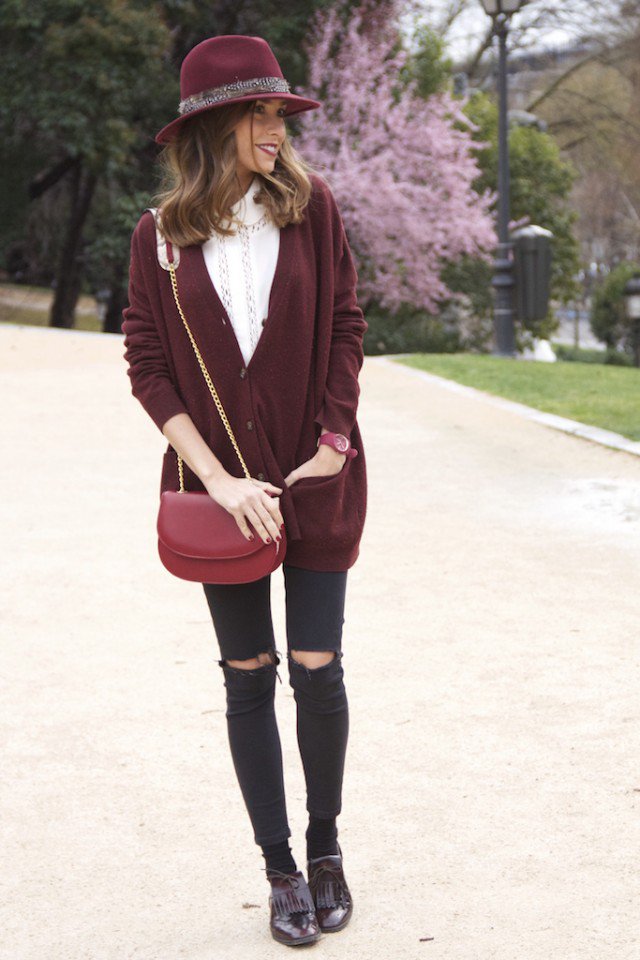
(339, 442)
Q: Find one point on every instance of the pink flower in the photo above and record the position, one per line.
(401, 167)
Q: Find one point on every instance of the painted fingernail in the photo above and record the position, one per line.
(278, 539)
(268, 540)
(251, 536)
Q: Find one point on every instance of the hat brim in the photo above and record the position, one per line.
(295, 104)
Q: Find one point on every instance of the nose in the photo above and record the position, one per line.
(276, 127)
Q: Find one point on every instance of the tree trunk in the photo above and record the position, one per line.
(69, 275)
(113, 316)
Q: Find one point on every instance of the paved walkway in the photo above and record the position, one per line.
(491, 654)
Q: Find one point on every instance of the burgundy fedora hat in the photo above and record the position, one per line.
(230, 69)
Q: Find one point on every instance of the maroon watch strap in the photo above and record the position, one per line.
(339, 442)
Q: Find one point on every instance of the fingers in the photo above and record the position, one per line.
(265, 485)
(264, 524)
(308, 471)
(262, 510)
(244, 527)
(269, 508)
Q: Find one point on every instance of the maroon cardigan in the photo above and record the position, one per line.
(302, 375)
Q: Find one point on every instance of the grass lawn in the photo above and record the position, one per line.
(602, 395)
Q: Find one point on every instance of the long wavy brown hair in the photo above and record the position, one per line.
(198, 179)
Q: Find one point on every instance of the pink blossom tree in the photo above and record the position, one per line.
(401, 167)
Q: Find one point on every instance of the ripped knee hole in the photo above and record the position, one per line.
(312, 659)
(267, 656)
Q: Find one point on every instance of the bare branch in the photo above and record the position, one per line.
(555, 84)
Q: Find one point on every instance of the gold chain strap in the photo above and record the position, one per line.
(209, 381)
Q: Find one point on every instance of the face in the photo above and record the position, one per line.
(262, 125)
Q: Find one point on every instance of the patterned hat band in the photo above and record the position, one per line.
(231, 91)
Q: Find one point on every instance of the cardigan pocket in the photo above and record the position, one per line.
(326, 507)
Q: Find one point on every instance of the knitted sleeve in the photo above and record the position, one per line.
(340, 403)
(148, 371)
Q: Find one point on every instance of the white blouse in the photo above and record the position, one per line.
(242, 268)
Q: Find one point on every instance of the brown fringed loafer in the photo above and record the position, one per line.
(293, 918)
(331, 895)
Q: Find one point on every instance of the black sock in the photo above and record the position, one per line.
(322, 838)
(278, 856)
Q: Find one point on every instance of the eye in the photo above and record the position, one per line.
(282, 111)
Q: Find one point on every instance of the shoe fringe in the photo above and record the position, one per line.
(330, 893)
(284, 904)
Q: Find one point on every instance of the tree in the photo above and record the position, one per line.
(401, 167)
(585, 86)
(83, 84)
(427, 63)
(594, 116)
(541, 183)
(609, 321)
(599, 25)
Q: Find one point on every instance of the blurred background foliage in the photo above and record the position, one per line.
(85, 85)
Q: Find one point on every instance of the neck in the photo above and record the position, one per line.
(245, 182)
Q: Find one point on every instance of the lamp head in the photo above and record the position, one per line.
(632, 297)
(507, 7)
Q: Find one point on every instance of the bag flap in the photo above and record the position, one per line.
(194, 525)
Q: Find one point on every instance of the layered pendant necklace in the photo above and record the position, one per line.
(245, 232)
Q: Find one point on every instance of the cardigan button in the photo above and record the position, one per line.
(249, 424)
(261, 476)
(243, 372)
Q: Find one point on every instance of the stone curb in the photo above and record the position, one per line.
(606, 438)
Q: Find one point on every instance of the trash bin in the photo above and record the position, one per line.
(532, 269)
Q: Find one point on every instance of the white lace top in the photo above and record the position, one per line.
(242, 268)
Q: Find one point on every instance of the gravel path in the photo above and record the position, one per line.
(16, 295)
(491, 659)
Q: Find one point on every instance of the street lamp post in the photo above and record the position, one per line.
(503, 280)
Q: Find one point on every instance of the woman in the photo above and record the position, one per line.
(268, 285)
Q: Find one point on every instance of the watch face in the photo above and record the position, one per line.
(342, 444)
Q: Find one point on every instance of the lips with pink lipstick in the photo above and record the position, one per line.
(270, 149)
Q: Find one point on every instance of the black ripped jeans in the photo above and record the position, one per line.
(241, 614)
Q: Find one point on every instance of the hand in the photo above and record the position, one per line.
(326, 463)
(249, 500)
